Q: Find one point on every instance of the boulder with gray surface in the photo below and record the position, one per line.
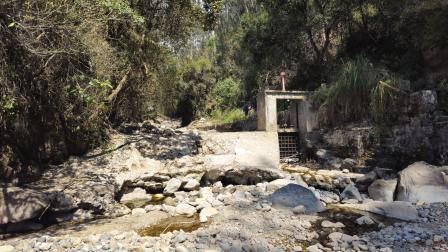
(351, 192)
(293, 195)
(383, 190)
(421, 182)
(18, 204)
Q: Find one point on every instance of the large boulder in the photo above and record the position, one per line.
(18, 204)
(293, 195)
(383, 190)
(423, 182)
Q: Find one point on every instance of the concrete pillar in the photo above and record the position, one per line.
(261, 111)
(307, 118)
(271, 114)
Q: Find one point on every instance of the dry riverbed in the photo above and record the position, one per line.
(176, 203)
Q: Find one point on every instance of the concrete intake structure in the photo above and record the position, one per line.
(302, 118)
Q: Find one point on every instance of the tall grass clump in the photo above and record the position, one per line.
(360, 91)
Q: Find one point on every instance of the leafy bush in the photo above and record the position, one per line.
(226, 94)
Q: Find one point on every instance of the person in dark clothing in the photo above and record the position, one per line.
(246, 108)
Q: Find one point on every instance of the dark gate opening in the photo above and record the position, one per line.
(289, 146)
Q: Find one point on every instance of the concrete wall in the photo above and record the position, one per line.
(271, 114)
(267, 111)
(242, 149)
(308, 120)
(261, 111)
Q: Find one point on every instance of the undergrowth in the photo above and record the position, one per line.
(360, 91)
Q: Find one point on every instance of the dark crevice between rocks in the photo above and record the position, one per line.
(238, 177)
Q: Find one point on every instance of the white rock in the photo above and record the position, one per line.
(7, 248)
(45, 246)
(217, 203)
(169, 209)
(138, 211)
(191, 185)
(338, 236)
(185, 209)
(205, 192)
(314, 248)
(181, 248)
(206, 213)
(202, 203)
(365, 220)
(172, 186)
(329, 224)
(299, 210)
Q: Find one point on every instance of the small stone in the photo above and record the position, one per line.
(365, 220)
(138, 211)
(119, 237)
(45, 246)
(337, 236)
(181, 248)
(185, 209)
(181, 237)
(329, 224)
(191, 185)
(297, 249)
(205, 192)
(299, 210)
(315, 248)
(345, 171)
(438, 238)
(172, 186)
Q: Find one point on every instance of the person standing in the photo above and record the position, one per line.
(246, 108)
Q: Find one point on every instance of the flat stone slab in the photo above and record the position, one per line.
(396, 209)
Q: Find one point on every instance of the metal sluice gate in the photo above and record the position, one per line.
(289, 145)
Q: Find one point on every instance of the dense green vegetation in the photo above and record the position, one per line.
(71, 69)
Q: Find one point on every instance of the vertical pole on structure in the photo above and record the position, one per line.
(282, 76)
